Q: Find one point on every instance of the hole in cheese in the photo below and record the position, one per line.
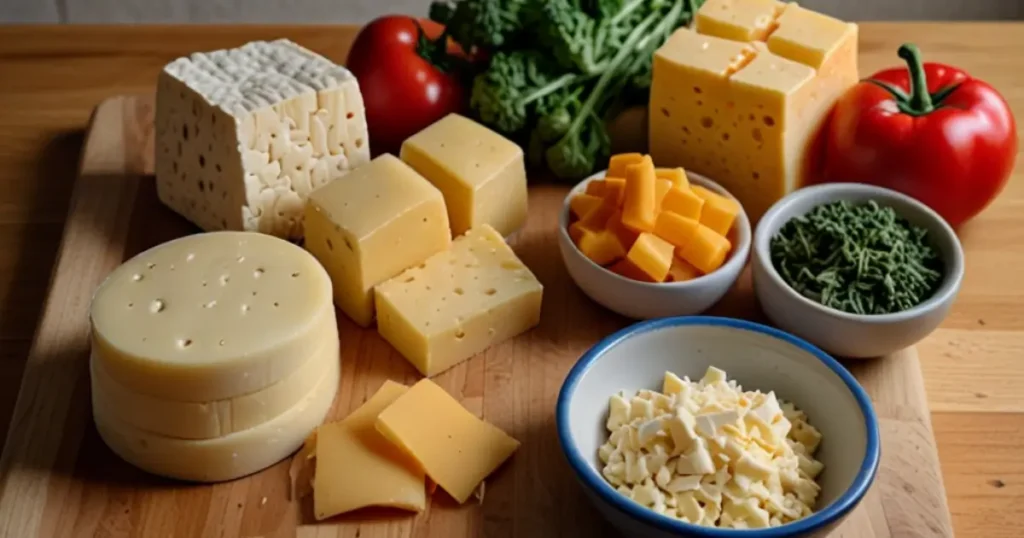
(707, 122)
(224, 279)
(330, 245)
(359, 142)
(696, 89)
(184, 343)
(769, 121)
(157, 306)
(210, 304)
(221, 342)
(137, 277)
(245, 308)
(409, 279)
(459, 291)
(756, 133)
(664, 112)
(490, 291)
(258, 272)
(202, 161)
(295, 274)
(460, 334)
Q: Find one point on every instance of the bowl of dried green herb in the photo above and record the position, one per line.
(860, 271)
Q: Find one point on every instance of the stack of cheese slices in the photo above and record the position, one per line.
(214, 355)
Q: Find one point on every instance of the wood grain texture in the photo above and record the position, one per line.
(64, 482)
(53, 77)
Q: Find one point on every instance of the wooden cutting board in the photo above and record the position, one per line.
(60, 480)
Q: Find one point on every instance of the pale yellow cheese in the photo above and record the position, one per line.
(459, 302)
(211, 316)
(222, 458)
(357, 467)
(457, 449)
(205, 420)
(481, 173)
(371, 225)
(742, 98)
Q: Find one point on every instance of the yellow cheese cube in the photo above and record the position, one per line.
(676, 175)
(719, 212)
(372, 224)
(456, 449)
(458, 302)
(706, 251)
(628, 269)
(661, 187)
(596, 187)
(601, 247)
(615, 190)
(481, 173)
(357, 467)
(583, 203)
(738, 20)
(652, 255)
(675, 228)
(618, 163)
(814, 39)
(625, 235)
(681, 271)
(639, 207)
(683, 202)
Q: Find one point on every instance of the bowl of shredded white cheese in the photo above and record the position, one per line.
(717, 427)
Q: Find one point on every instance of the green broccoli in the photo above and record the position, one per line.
(516, 86)
(480, 23)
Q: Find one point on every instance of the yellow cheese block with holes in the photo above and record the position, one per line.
(371, 225)
(706, 251)
(357, 467)
(743, 96)
(455, 448)
(652, 255)
(206, 420)
(222, 458)
(481, 173)
(458, 302)
(211, 316)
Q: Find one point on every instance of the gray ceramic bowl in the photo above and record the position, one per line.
(841, 333)
(758, 357)
(646, 300)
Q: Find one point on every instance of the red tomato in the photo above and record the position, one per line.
(403, 90)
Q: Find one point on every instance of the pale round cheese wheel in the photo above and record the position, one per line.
(223, 458)
(212, 316)
(206, 420)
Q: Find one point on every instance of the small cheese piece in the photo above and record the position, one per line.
(244, 135)
(628, 269)
(681, 271)
(583, 203)
(675, 228)
(211, 316)
(222, 458)
(615, 190)
(481, 173)
(456, 449)
(707, 250)
(683, 202)
(458, 302)
(626, 236)
(640, 203)
(617, 163)
(738, 20)
(206, 420)
(676, 175)
(719, 212)
(357, 467)
(602, 247)
(383, 219)
(652, 255)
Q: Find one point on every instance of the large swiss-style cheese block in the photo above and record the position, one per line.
(244, 135)
(212, 316)
(742, 97)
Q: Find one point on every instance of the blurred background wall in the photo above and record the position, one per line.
(360, 11)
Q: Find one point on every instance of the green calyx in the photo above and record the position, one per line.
(919, 101)
(436, 51)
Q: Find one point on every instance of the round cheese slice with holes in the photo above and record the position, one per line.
(222, 458)
(212, 316)
(206, 420)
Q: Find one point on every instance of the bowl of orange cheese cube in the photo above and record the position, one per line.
(650, 242)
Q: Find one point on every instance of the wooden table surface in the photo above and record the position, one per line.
(52, 77)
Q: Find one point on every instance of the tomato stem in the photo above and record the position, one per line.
(920, 100)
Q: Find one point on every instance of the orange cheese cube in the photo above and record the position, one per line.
(661, 188)
(675, 228)
(615, 190)
(597, 218)
(719, 212)
(596, 187)
(652, 255)
(707, 250)
(618, 163)
(626, 236)
(676, 175)
(626, 268)
(601, 247)
(684, 202)
(639, 209)
(576, 231)
(681, 271)
(583, 203)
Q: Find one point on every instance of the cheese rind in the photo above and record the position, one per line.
(207, 420)
(211, 316)
(382, 219)
(455, 448)
(222, 458)
(357, 467)
(244, 135)
(459, 302)
(481, 173)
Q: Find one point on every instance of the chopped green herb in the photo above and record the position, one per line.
(857, 258)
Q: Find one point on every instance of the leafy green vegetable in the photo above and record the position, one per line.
(857, 258)
(515, 86)
(480, 23)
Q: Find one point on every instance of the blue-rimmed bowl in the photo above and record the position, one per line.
(758, 357)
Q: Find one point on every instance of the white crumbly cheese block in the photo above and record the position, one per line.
(243, 135)
(211, 316)
(206, 420)
(222, 458)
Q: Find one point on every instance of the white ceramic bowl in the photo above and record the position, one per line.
(841, 333)
(758, 357)
(645, 300)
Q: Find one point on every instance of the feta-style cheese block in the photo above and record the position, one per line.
(370, 226)
(742, 98)
(481, 173)
(244, 135)
(222, 458)
(356, 466)
(458, 302)
(455, 448)
(211, 316)
(206, 420)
